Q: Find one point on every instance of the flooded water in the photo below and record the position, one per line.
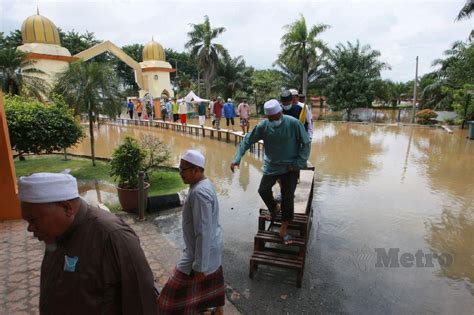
(404, 192)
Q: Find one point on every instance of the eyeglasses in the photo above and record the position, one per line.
(182, 169)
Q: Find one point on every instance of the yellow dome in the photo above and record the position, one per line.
(153, 51)
(39, 29)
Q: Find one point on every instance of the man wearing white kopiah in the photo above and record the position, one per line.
(287, 148)
(197, 282)
(93, 261)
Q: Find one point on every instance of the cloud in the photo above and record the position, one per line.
(400, 30)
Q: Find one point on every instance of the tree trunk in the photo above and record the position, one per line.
(305, 82)
(207, 79)
(349, 111)
(91, 134)
(65, 154)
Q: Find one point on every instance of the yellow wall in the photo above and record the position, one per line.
(9, 204)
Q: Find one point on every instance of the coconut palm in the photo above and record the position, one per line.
(233, 75)
(301, 46)
(19, 76)
(466, 10)
(92, 88)
(204, 50)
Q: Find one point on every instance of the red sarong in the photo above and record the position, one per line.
(183, 118)
(183, 294)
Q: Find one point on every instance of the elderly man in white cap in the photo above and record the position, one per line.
(287, 148)
(93, 261)
(197, 282)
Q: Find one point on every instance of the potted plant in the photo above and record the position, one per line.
(127, 161)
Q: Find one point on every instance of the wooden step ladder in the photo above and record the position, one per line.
(269, 248)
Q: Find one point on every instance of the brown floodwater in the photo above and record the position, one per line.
(376, 188)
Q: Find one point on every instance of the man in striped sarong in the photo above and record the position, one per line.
(197, 282)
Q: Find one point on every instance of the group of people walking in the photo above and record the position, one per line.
(93, 261)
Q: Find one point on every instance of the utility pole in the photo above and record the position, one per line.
(199, 85)
(414, 91)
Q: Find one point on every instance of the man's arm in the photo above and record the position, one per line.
(309, 120)
(305, 147)
(126, 267)
(202, 223)
(254, 136)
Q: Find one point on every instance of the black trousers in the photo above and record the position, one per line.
(288, 186)
(231, 121)
(130, 112)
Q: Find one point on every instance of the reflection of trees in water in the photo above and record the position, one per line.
(345, 153)
(454, 234)
(447, 161)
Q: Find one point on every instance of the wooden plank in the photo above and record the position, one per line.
(272, 237)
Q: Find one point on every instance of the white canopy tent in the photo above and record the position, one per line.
(192, 97)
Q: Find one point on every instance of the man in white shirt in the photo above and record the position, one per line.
(197, 283)
(244, 113)
(308, 119)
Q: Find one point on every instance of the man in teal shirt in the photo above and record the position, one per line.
(287, 148)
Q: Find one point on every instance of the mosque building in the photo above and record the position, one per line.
(42, 44)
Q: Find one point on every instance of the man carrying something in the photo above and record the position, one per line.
(287, 148)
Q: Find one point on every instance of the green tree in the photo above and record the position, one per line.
(466, 10)
(204, 50)
(19, 76)
(301, 46)
(76, 42)
(37, 128)
(352, 74)
(233, 76)
(124, 72)
(266, 85)
(13, 40)
(92, 88)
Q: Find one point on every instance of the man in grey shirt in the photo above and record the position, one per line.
(197, 283)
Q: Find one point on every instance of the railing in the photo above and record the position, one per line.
(218, 134)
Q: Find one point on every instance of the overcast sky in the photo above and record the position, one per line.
(399, 29)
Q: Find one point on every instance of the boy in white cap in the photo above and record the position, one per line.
(197, 282)
(93, 261)
(287, 148)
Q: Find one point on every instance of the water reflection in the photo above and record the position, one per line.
(345, 154)
(376, 187)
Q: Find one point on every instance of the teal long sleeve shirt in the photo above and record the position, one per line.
(286, 145)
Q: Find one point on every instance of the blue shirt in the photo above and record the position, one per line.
(168, 107)
(203, 236)
(130, 106)
(286, 145)
(229, 110)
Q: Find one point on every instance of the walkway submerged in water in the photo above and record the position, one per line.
(218, 134)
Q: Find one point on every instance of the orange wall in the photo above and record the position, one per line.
(9, 204)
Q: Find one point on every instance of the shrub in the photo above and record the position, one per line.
(37, 128)
(426, 117)
(156, 153)
(127, 161)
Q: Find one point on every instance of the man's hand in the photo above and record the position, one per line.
(233, 166)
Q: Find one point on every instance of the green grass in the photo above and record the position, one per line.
(80, 168)
(162, 182)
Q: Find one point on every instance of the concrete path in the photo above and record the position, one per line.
(21, 255)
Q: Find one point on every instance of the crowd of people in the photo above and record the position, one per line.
(94, 262)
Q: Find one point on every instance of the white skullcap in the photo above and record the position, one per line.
(194, 157)
(271, 107)
(47, 187)
(293, 92)
(229, 100)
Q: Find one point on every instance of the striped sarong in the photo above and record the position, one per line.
(183, 294)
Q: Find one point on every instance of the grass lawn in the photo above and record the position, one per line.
(162, 182)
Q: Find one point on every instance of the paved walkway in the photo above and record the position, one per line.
(21, 255)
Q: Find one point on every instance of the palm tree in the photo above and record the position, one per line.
(301, 46)
(92, 88)
(466, 10)
(233, 75)
(204, 50)
(19, 76)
